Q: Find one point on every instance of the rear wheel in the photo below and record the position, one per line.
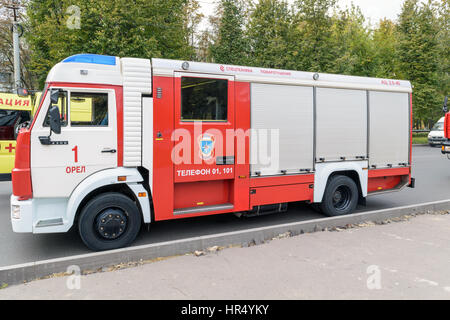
(340, 197)
(109, 221)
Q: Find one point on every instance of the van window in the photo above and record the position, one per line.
(9, 121)
(8, 117)
(89, 109)
(204, 99)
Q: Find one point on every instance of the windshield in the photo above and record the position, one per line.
(43, 94)
(438, 127)
(8, 117)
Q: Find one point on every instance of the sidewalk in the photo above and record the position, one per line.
(401, 260)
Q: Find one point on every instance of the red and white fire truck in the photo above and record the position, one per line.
(167, 139)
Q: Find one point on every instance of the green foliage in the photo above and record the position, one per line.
(317, 36)
(308, 35)
(419, 56)
(230, 45)
(112, 27)
(312, 28)
(270, 35)
(351, 44)
(443, 37)
(386, 62)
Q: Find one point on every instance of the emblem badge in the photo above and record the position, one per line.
(206, 143)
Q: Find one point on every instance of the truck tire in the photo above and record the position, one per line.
(109, 221)
(340, 197)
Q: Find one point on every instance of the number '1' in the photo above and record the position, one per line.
(75, 150)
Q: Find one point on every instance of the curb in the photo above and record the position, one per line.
(16, 274)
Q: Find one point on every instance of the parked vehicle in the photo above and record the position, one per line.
(14, 112)
(446, 144)
(436, 135)
(169, 139)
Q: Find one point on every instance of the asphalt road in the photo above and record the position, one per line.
(357, 263)
(430, 168)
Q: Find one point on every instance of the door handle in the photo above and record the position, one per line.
(109, 151)
(228, 160)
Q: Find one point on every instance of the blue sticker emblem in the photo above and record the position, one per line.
(206, 143)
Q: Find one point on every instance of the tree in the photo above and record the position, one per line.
(229, 44)
(270, 35)
(419, 57)
(145, 29)
(192, 17)
(351, 44)
(313, 31)
(6, 45)
(443, 36)
(385, 50)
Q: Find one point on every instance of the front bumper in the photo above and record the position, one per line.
(436, 140)
(21, 215)
(445, 147)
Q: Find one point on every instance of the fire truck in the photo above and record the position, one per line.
(168, 139)
(446, 143)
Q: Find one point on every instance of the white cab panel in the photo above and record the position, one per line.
(58, 169)
(341, 119)
(389, 129)
(75, 72)
(137, 80)
(283, 114)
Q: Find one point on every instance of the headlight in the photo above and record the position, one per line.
(16, 212)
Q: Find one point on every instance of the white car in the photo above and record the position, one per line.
(436, 135)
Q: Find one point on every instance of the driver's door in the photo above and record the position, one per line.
(87, 142)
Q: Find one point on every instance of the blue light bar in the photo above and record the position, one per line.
(92, 58)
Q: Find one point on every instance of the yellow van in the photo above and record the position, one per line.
(14, 111)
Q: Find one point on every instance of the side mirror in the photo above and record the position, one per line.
(22, 92)
(54, 96)
(55, 119)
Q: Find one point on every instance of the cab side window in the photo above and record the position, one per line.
(88, 109)
(204, 99)
(62, 105)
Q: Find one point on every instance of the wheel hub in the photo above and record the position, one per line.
(341, 198)
(337, 196)
(111, 223)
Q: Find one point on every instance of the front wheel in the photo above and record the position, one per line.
(340, 197)
(109, 221)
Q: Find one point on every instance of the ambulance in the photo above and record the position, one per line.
(167, 139)
(15, 111)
